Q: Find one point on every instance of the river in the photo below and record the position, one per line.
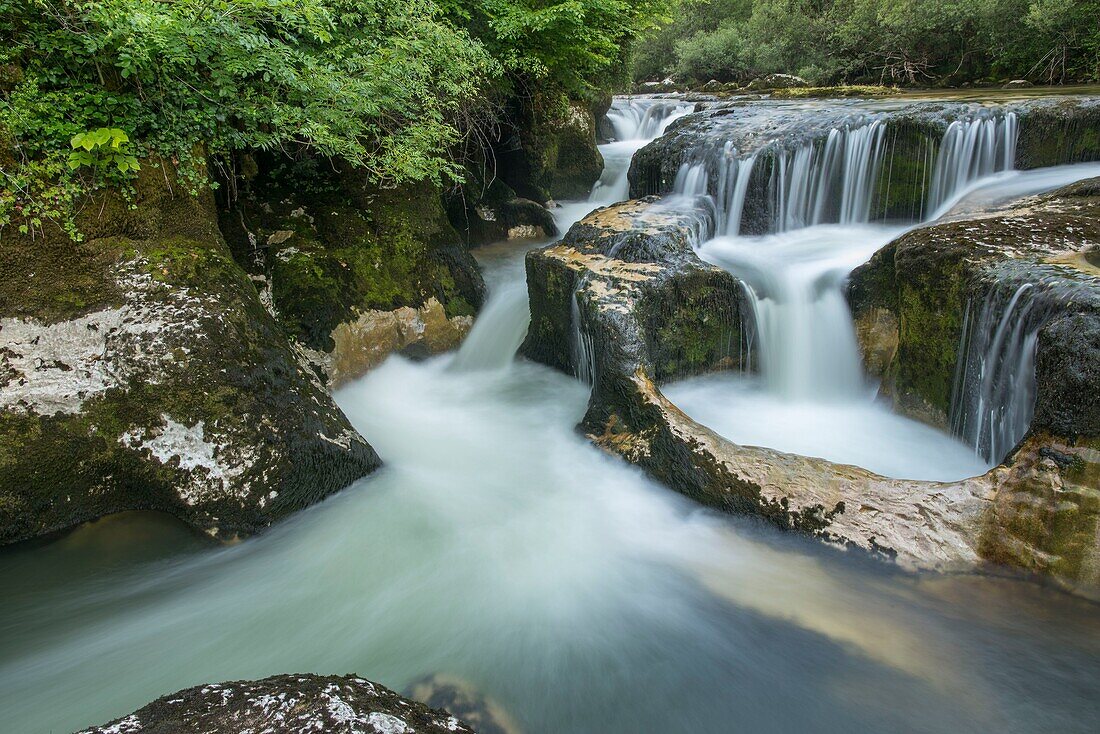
(498, 547)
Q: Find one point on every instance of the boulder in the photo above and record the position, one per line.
(1017, 84)
(776, 81)
(549, 148)
(647, 311)
(286, 704)
(926, 282)
(139, 369)
(712, 86)
(931, 284)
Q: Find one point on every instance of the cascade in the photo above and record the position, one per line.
(818, 198)
(993, 395)
(834, 179)
(969, 151)
(634, 122)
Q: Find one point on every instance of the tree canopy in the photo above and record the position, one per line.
(918, 42)
(382, 84)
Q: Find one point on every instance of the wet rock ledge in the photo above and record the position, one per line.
(286, 704)
(650, 311)
(928, 308)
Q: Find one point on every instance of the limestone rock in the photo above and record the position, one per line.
(777, 81)
(1051, 132)
(286, 704)
(139, 369)
(637, 283)
(338, 253)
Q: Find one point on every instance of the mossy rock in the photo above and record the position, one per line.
(332, 246)
(550, 151)
(139, 370)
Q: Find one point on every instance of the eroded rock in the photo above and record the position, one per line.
(633, 274)
(139, 369)
(343, 261)
(286, 704)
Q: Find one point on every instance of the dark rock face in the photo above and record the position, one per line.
(1053, 133)
(139, 369)
(286, 704)
(636, 283)
(927, 278)
(551, 150)
(331, 250)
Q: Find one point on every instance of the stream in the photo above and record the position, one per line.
(498, 547)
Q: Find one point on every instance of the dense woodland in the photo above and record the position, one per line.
(398, 87)
(910, 42)
(409, 90)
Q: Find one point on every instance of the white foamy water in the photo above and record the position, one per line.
(812, 397)
(499, 547)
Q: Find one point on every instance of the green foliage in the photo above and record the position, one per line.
(377, 83)
(882, 41)
(577, 46)
(390, 86)
(102, 148)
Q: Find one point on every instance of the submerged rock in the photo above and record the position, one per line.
(464, 701)
(286, 704)
(139, 369)
(647, 310)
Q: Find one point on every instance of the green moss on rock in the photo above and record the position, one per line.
(152, 377)
(334, 247)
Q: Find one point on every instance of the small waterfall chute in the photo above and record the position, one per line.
(971, 150)
(993, 395)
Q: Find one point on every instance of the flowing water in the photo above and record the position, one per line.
(812, 397)
(499, 547)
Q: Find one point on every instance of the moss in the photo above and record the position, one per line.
(1046, 518)
(692, 325)
(855, 90)
(335, 247)
(51, 278)
(557, 155)
(1053, 135)
(906, 172)
(932, 297)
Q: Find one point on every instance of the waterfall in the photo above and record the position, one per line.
(584, 358)
(634, 118)
(993, 395)
(835, 179)
(634, 122)
(969, 151)
(814, 183)
(816, 199)
(498, 331)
